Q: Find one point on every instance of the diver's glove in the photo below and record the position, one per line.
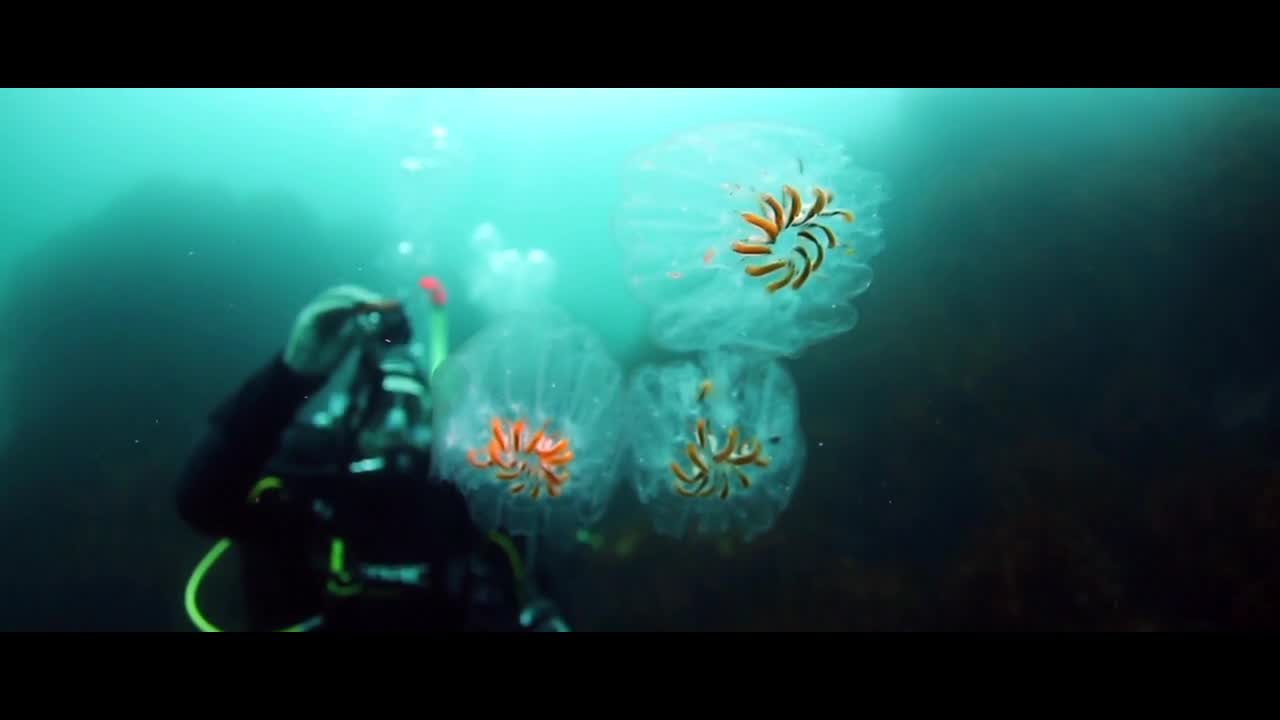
(326, 329)
(541, 615)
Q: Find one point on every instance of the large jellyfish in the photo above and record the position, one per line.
(749, 236)
(529, 424)
(716, 444)
(503, 278)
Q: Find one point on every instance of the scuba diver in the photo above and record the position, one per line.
(340, 524)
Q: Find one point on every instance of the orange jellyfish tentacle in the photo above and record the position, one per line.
(794, 196)
(680, 474)
(808, 268)
(779, 221)
(761, 270)
(786, 279)
(817, 247)
(692, 451)
(767, 226)
(748, 248)
(729, 446)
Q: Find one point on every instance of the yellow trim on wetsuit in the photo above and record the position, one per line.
(270, 482)
(340, 583)
(190, 597)
(193, 585)
(337, 566)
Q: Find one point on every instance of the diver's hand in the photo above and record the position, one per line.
(325, 329)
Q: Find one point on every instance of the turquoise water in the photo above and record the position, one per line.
(541, 165)
(1039, 244)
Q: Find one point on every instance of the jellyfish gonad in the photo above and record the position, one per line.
(807, 252)
(716, 470)
(716, 466)
(526, 461)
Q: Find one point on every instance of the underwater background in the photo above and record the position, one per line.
(1059, 407)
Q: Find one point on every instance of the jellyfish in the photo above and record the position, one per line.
(749, 236)
(529, 424)
(716, 445)
(502, 278)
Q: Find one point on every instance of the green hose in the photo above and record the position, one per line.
(193, 587)
(439, 338)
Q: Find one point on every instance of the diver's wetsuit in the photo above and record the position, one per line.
(372, 551)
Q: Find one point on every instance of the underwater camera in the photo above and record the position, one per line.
(384, 325)
(390, 391)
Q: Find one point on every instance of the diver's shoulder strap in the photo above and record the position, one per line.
(515, 562)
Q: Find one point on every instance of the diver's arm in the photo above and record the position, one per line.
(247, 429)
(243, 435)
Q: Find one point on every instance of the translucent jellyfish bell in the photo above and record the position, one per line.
(486, 238)
(716, 444)
(504, 279)
(749, 236)
(528, 423)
